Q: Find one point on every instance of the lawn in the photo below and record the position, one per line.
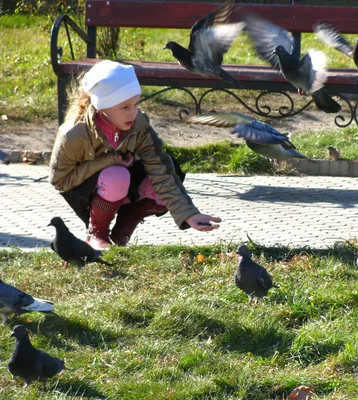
(157, 326)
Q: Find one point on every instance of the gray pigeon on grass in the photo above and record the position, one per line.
(308, 74)
(13, 300)
(29, 363)
(71, 249)
(260, 137)
(251, 277)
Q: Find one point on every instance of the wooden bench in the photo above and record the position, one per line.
(296, 18)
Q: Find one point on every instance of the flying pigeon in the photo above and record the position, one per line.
(210, 38)
(251, 277)
(260, 137)
(13, 300)
(71, 249)
(307, 74)
(328, 34)
(29, 363)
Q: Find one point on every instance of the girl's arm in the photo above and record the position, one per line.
(166, 183)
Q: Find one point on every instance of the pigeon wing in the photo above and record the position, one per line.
(83, 251)
(14, 298)
(213, 42)
(219, 16)
(265, 279)
(46, 365)
(266, 36)
(329, 35)
(312, 71)
(259, 133)
(223, 120)
(355, 53)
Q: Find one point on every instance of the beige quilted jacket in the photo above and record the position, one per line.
(81, 150)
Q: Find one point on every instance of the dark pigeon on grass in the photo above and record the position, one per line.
(251, 277)
(71, 249)
(329, 35)
(260, 137)
(210, 38)
(308, 74)
(13, 300)
(29, 363)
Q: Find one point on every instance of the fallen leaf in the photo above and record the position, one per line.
(200, 257)
(301, 393)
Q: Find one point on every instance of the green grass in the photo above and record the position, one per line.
(226, 157)
(221, 157)
(150, 328)
(314, 145)
(28, 90)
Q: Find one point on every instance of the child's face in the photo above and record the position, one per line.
(123, 115)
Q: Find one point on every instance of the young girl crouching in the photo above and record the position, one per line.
(107, 160)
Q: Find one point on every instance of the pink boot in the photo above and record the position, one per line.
(130, 215)
(102, 213)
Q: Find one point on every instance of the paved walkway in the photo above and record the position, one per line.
(295, 211)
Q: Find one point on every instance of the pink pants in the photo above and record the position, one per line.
(113, 185)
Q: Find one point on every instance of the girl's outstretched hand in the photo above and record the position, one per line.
(203, 222)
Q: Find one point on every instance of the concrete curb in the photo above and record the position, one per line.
(17, 156)
(347, 168)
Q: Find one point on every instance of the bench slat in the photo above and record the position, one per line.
(157, 14)
(171, 74)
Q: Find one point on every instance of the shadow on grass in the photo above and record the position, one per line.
(264, 342)
(72, 328)
(76, 389)
(344, 251)
(314, 353)
(188, 323)
(111, 273)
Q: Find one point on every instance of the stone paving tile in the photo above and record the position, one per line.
(296, 211)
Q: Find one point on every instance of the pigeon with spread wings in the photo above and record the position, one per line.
(308, 74)
(329, 35)
(210, 38)
(260, 137)
(14, 300)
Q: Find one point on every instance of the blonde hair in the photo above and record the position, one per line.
(79, 102)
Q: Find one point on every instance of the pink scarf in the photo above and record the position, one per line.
(113, 134)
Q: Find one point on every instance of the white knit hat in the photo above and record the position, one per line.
(110, 83)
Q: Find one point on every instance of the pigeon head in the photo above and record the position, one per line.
(56, 222)
(279, 50)
(243, 251)
(19, 332)
(169, 45)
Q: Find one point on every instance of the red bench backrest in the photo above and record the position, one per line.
(170, 14)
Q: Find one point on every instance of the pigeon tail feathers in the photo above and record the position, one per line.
(39, 305)
(227, 77)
